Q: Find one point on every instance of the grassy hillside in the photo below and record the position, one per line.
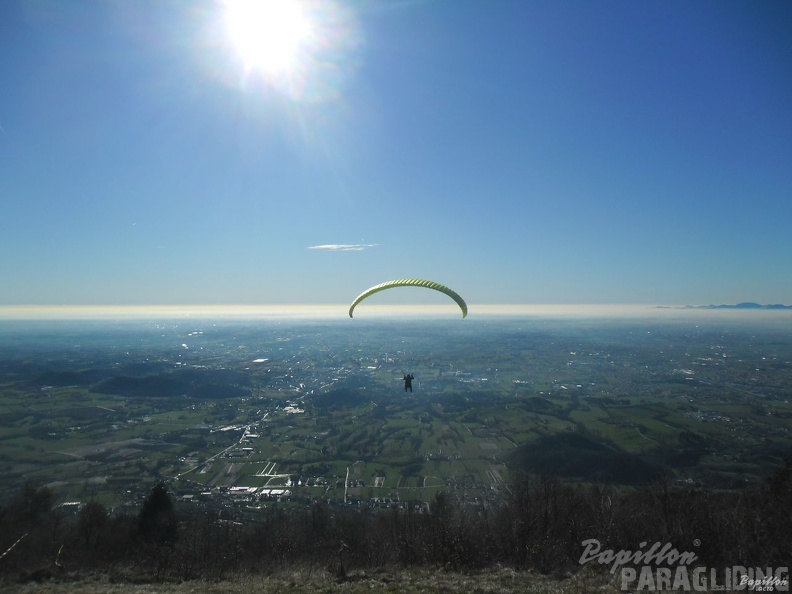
(312, 581)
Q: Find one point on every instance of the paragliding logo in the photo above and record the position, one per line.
(411, 282)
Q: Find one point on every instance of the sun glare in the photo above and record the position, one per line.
(270, 35)
(305, 50)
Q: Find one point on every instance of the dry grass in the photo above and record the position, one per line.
(311, 581)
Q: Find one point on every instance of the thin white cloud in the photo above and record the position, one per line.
(343, 247)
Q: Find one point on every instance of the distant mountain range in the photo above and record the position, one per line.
(746, 305)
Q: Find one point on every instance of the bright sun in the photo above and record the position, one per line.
(270, 35)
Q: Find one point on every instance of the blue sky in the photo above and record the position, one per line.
(521, 152)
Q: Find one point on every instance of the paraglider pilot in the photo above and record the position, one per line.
(408, 382)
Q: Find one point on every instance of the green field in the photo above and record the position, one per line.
(326, 416)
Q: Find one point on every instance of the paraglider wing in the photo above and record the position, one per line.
(411, 282)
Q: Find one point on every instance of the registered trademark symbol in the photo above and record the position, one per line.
(696, 542)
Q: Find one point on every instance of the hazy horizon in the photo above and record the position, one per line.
(377, 311)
